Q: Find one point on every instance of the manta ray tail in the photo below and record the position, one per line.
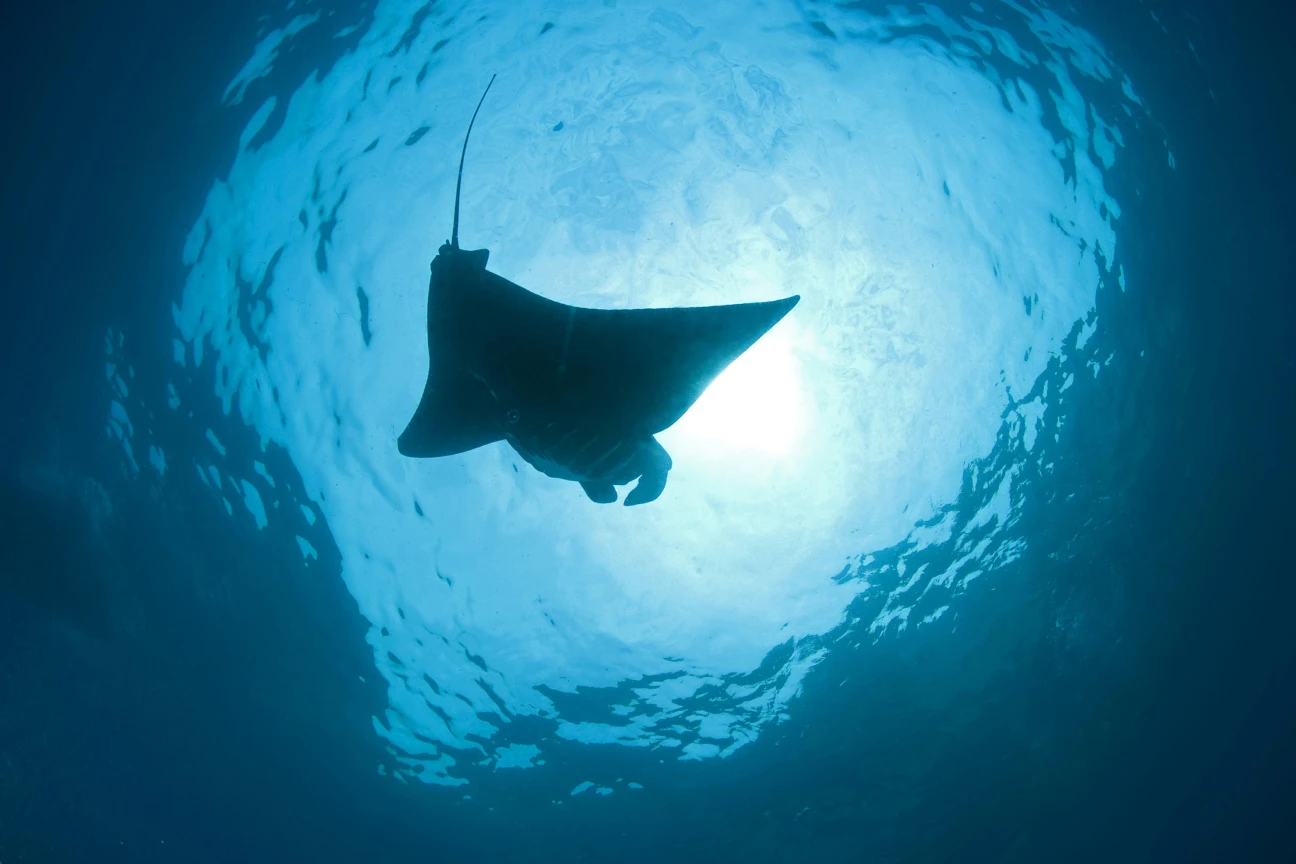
(454, 231)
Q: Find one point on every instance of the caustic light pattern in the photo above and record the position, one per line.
(934, 186)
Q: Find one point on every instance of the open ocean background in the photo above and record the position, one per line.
(995, 565)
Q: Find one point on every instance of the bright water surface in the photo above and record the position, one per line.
(964, 560)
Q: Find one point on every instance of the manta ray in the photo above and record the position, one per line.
(579, 393)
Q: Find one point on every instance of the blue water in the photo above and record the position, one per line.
(979, 555)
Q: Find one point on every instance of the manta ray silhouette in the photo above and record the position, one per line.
(579, 393)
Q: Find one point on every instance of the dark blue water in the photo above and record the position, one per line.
(179, 684)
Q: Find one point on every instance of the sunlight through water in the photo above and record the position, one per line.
(753, 415)
(933, 184)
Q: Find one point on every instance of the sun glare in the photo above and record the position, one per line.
(756, 406)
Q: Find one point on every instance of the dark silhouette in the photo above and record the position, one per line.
(579, 393)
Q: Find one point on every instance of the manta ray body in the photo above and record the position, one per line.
(579, 393)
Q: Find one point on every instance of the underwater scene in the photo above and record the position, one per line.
(636, 430)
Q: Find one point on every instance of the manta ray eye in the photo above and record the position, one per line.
(511, 416)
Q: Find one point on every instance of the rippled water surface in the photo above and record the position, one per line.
(936, 189)
(953, 561)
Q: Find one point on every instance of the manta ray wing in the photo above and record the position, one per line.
(456, 414)
(643, 368)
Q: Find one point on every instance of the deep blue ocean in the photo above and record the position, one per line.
(982, 554)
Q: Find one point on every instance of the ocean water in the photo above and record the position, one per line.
(981, 554)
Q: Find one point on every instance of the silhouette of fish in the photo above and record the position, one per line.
(578, 393)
